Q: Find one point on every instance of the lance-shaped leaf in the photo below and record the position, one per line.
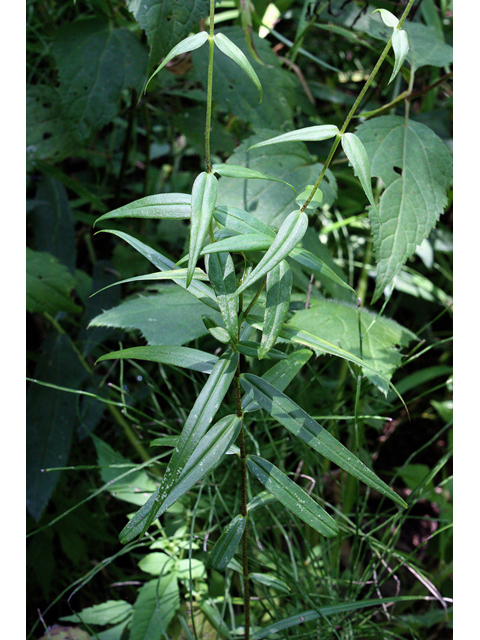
(197, 423)
(280, 375)
(316, 200)
(358, 157)
(400, 47)
(173, 274)
(197, 288)
(215, 330)
(236, 171)
(165, 206)
(204, 197)
(307, 134)
(241, 221)
(290, 233)
(250, 349)
(318, 266)
(231, 50)
(293, 497)
(270, 582)
(173, 355)
(388, 18)
(227, 544)
(239, 244)
(278, 290)
(188, 44)
(221, 271)
(298, 422)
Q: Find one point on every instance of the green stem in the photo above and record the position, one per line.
(208, 122)
(355, 106)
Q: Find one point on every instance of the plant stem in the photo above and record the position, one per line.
(208, 123)
(243, 462)
(355, 106)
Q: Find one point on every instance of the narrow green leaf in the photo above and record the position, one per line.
(241, 221)
(290, 233)
(307, 134)
(271, 582)
(239, 244)
(388, 18)
(198, 289)
(204, 196)
(231, 50)
(317, 266)
(280, 375)
(221, 271)
(315, 202)
(400, 47)
(278, 290)
(197, 423)
(173, 274)
(293, 497)
(165, 206)
(298, 422)
(236, 171)
(188, 44)
(250, 349)
(174, 355)
(358, 157)
(218, 332)
(226, 546)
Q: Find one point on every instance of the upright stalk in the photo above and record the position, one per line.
(208, 123)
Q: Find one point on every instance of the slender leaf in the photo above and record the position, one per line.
(218, 332)
(221, 271)
(388, 18)
(235, 171)
(317, 266)
(241, 221)
(165, 206)
(358, 157)
(197, 423)
(187, 44)
(278, 290)
(239, 244)
(290, 233)
(226, 546)
(293, 497)
(204, 196)
(173, 274)
(172, 355)
(400, 47)
(298, 422)
(231, 50)
(271, 582)
(307, 134)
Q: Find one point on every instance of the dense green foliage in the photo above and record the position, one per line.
(279, 328)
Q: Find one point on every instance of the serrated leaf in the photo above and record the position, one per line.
(338, 322)
(280, 375)
(306, 134)
(204, 197)
(234, 171)
(226, 546)
(293, 497)
(231, 50)
(197, 423)
(298, 422)
(289, 234)
(184, 46)
(400, 47)
(164, 206)
(278, 289)
(416, 167)
(358, 157)
(200, 290)
(221, 271)
(49, 284)
(173, 355)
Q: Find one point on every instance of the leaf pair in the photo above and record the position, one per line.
(399, 40)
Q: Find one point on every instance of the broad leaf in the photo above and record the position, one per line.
(221, 271)
(290, 233)
(204, 197)
(165, 206)
(293, 497)
(166, 22)
(278, 289)
(232, 171)
(338, 323)
(154, 608)
(298, 422)
(307, 134)
(172, 355)
(231, 50)
(226, 546)
(416, 167)
(184, 46)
